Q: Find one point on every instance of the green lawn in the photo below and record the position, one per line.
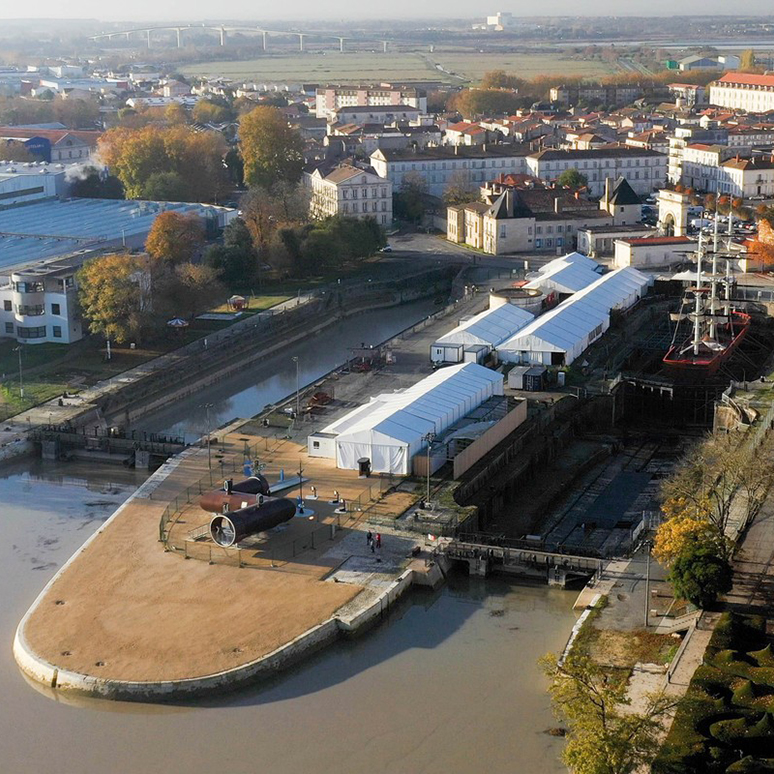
(358, 66)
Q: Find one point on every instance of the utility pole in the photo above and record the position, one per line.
(298, 397)
(21, 374)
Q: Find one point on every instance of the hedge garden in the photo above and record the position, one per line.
(725, 723)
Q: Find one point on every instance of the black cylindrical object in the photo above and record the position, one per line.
(253, 485)
(230, 528)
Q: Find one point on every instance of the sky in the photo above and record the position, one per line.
(312, 9)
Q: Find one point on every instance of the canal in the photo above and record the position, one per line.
(449, 683)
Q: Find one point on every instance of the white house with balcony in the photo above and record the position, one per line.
(40, 302)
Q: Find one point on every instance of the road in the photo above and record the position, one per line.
(430, 246)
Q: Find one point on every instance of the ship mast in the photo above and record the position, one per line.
(713, 305)
(697, 312)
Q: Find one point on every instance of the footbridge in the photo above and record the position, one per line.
(557, 568)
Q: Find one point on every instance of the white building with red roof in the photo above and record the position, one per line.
(743, 91)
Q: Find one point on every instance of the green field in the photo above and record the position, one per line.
(368, 66)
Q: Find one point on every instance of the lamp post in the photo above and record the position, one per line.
(207, 407)
(648, 546)
(21, 374)
(298, 397)
(429, 437)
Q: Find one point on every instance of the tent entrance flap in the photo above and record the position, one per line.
(384, 458)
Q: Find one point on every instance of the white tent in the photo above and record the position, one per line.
(563, 277)
(392, 427)
(490, 328)
(561, 335)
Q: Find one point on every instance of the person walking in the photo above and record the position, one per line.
(372, 543)
(369, 538)
(378, 540)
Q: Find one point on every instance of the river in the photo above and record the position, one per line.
(267, 381)
(448, 684)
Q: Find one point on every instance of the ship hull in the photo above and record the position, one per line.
(707, 364)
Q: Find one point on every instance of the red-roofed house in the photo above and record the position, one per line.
(651, 251)
(743, 91)
(465, 133)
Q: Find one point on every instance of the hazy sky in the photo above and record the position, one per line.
(312, 9)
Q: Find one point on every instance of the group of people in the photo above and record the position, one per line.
(374, 541)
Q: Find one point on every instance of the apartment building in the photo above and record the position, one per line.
(682, 137)
(378, 114)
(567, 96)
(743, 91)
(40, 302)
(644, 169)
(350, 191)
(440, 166)
(329, 99)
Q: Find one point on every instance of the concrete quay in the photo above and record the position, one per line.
(125, 619)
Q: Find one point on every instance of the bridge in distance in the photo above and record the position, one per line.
(224, 29)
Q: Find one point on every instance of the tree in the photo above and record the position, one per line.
(459, 189)
(604, 737)
(675, 535)
(174, 237)
(700, 574)
(272, 151)
(747, 60)
(409, 201)
(11, 150)
(499, 79)
(475, 102)
(187, 290)
(164, 187)
(571, 178)
(135, 155)
(207, 111)
(266, 209)
(76, 113)
(235, 261)
(93, 185)
(114, 297)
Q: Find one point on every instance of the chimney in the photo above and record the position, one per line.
(509, 202)
(456, 150)
(607, 191)
(557, 205)
(577, 195)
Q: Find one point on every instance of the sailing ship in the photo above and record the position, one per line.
(708, 329)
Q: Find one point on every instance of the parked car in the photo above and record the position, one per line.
(386, 249)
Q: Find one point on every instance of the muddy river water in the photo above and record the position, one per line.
(447, 684)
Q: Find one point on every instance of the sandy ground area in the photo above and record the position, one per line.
(126, 609)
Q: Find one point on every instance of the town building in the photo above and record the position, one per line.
(24, 182)
(329, 99)
(349, 190)
(377, 114)
(743, 91)
(515, 221)
(39, 302)
(62, 146)
(438, 167)
(608, 95)
(651, 251)
(688, 94)
(645, 170)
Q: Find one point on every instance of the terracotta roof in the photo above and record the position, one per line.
(88, 136)
(747, 79)
(662, 240)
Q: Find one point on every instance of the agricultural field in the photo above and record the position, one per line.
(457, 67)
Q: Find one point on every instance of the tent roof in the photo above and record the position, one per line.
(569, 323)
(492, 326)
(408, 414)
(569, 276)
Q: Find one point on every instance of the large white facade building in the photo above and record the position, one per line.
(23, 182)
(440, 166)
(743, 91)
(645, 170)
(349, 191)
(329, 99)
